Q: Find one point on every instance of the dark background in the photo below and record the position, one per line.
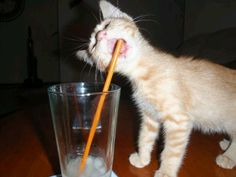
(200, 28)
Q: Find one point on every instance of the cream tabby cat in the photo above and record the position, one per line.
(178, 93)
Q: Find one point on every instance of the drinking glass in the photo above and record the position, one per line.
(73, 106)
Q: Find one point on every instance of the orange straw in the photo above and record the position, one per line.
(101, 102)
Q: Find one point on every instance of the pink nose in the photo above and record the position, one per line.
(101, 34)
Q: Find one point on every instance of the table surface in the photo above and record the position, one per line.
(28, 147)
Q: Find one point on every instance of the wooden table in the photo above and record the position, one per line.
(28, 147)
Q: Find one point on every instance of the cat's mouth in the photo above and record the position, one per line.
(111, 43)
(110, 46)
(102, 51)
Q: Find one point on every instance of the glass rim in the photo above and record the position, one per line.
(51, 89)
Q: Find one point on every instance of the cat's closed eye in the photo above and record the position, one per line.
(106, 26)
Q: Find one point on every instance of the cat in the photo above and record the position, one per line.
(177, 93)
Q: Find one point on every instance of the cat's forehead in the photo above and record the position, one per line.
(115, 23)
(119, 21)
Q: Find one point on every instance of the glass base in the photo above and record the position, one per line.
(112, 175)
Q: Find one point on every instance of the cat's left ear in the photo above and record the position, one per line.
(110, 11)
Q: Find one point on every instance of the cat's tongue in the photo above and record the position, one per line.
(111, 47)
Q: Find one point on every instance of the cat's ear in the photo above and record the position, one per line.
(110, 11)
(83, 55)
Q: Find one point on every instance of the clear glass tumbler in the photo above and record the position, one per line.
(73, 106)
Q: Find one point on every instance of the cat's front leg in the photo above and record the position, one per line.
(177, 130)
(147, 136)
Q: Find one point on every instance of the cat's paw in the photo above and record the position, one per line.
(224, 144)
(136, 161)
(162, 174)
(225, 162)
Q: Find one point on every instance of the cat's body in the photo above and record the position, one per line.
(188, 84)
(179, 94)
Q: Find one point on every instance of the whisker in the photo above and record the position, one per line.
(72, 37)
(75, 40)
(145, 30)
(101, 76)
(77, 48)
(146, 33)
(146, 20)
(71, 52)
(90, 69)
(83, 45)
(92, 13)
(82, 70)
(75, 44)
(143, 16)
(96, 75)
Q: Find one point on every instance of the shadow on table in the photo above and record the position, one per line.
(44, 128)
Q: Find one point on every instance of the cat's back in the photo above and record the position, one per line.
(212, 89)
(204, 71)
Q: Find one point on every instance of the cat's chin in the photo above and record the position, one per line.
(103, 62)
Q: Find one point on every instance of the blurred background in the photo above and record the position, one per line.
(39, 39)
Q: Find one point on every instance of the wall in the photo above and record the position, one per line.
(41, 15)
(161, 26)
(203, 16)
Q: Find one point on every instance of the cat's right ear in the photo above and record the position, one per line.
(110, 11)
(83, 55)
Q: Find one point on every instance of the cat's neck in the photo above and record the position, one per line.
(147, 61)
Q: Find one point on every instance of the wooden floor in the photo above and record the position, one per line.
(28, 146)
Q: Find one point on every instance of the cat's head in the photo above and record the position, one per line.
(116, 25)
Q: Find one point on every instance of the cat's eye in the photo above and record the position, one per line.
(105, 27)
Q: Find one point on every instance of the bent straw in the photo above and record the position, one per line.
(101, 102)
